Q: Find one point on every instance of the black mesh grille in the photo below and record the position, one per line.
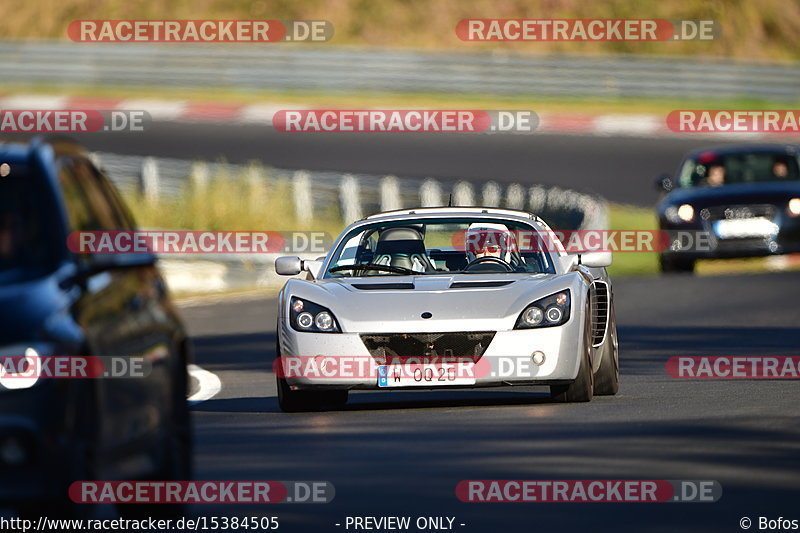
(599, 311)
(427, 345)
(733, 212)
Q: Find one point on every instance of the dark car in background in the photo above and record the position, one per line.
(731, 201)
(56, 431)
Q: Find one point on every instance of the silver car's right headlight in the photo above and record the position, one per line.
(546, 312)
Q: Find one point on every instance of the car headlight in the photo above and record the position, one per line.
(308, 316)
(794, 207)
(682, 213)
(546, 312)
(8, 379)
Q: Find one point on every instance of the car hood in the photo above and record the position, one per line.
(467, 302)
(738, 194)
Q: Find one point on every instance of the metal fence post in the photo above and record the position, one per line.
(390, 194)
(515, 196)
(491, 194)
(350, 198)
(149, 179)
(430, 193)
(303, 201)
(199, 177)
(463, 194)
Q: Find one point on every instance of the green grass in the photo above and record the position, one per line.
(231, 202)
(626, 217)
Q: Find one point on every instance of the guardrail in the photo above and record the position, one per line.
(341, 69)
(356, 195)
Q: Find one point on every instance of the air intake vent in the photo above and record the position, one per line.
(382, 286)
(599, 305)
(480, 284)
(423, 346)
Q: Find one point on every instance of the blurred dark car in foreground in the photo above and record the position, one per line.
(745, 197)
(55, 431)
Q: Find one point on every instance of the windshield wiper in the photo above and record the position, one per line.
(373, 266)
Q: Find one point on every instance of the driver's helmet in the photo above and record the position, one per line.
(488, 239)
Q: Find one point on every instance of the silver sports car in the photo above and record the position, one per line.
(445, 298)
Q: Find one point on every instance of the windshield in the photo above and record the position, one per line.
(711, 169)
(28, 242)
(420, 247)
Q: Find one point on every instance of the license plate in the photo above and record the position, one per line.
(745, 227)
(425, 375)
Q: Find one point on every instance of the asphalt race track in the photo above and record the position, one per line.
(403, 453)
(622, 169)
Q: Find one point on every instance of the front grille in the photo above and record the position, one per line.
(599, 308)
(470, 345)
(733, 212)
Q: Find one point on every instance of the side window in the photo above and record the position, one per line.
(81, 216)
(89, 205)
(121, 212)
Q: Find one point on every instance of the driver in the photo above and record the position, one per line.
(486, 239)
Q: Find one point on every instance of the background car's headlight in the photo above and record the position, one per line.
(682, 213)
(308, 316)
(546, 312)
(794, 207)
(9, 381)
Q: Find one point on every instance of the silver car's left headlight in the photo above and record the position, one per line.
(311, 317)
(546, 312)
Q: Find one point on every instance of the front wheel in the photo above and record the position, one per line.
(299, 401)
(582, 389)
(606, 380)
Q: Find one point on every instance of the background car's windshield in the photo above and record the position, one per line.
(713, 170)
(468, 246)
(28, 246)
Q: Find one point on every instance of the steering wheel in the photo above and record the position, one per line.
(491, 260)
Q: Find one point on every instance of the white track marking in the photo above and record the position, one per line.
(210, 384)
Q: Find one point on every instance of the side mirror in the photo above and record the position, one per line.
(664, 183)
(312, 267)
(100, 263)
(595, 259)
(569, 261)
(289, 265)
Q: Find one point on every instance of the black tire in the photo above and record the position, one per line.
(675, 265)
(177, 464)
(582, 389)
(606, 379)
(302, 401)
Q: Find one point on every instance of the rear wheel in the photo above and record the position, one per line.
(582, 389)
(606, 379)
(671, 265)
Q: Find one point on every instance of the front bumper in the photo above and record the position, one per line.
(506, 361)
(699, 240)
